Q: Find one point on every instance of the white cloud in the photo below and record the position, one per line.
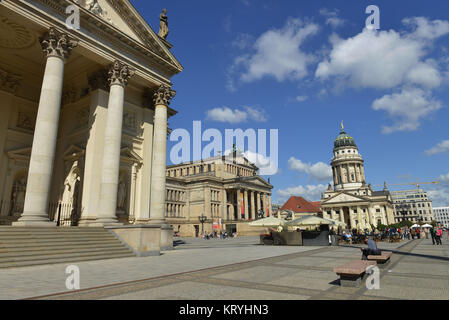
(444, 178)
(319, 171)
(441, 147)
(439, 196)
(265, 164)
(278, 53)
(332, 18)
(380, 60)
(309, 192)
(425, 29)
(243, 41)
(407, 108)
(226, 114)
(301, 98)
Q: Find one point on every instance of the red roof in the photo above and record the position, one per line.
(301, 205)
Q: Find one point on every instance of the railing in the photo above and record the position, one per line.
(64, 214)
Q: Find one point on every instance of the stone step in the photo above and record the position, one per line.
(63, 255)
(46, 261)
(45, 251)
(44, 237)
(37, 248)
(55, 244)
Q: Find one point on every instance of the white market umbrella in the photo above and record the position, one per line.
(416, 226)
(309, 221)
(267, 222)
(427, 226)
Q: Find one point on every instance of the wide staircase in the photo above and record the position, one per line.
(34, 246)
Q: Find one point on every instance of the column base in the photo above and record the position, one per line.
(34, 220)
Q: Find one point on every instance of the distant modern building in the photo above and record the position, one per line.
(225, 190)
(412, 205)
(351, 200)
(300, 207)
(442, 215)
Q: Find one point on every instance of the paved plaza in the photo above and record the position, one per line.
(239, 269)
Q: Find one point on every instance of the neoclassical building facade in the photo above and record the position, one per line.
(351, 200)
(226, 190)
(83, 129)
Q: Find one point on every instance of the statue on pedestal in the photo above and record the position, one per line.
(163, 27)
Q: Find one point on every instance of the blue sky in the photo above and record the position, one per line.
(304, 66)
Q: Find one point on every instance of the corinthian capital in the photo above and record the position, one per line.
(57, 44)
(120, 73)
(163, 95)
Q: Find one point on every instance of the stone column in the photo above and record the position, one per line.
(57, 48)
(239, 205)
(258, 201)
(360, 218)
(253, 209)
(162, 98)
(245, 199)
(270, 209)
(351, 217)
(119, 74)
(264, 203)
(224, 205)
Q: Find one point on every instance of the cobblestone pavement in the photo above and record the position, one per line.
(241, 269)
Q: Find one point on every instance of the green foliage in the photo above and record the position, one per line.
(381, 227)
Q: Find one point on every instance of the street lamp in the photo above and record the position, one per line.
(202, 219)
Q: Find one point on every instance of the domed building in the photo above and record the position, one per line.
(350, 200)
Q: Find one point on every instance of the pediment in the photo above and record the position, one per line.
(122, 15)
(258, 181)
(343, 197)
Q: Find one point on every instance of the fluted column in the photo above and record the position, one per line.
(239, 205)
(245, 199)
(162, 98)
(270, 208)
(253, 209)
(258, 201)
(57, 48)
(264, 204)
(119, 75)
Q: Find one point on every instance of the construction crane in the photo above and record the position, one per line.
(417, 184)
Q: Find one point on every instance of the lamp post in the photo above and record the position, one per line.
(202, 219)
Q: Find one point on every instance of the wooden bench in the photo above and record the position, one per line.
(352, 273)
(383, 259)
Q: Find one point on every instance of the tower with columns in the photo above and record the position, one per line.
(350, 200)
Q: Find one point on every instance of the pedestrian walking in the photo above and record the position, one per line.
(438, 234)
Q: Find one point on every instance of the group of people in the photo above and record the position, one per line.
(217, 235)
(436, 233)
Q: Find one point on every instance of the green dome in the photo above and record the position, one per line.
(344, 140)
